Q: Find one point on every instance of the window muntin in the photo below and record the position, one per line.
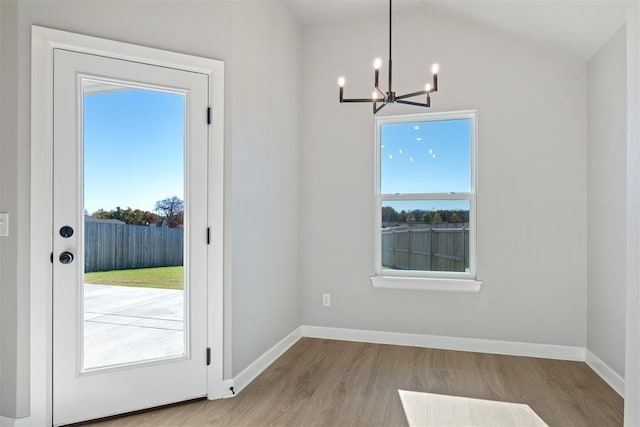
(426, 198)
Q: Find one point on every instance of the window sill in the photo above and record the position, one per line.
(426, 284)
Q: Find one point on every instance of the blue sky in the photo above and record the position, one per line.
(133, 148)
(134, 153)
(426, 157)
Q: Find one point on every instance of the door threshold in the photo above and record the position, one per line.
(140, 411)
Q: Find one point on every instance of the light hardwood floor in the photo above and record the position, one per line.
(336, 383)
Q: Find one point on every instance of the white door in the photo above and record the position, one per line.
(129, 236)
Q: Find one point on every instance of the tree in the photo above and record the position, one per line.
(411, 219)
(172, 210)
(128, 216)
(389, 214)
(437, 218)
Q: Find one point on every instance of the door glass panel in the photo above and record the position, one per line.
(134, 273)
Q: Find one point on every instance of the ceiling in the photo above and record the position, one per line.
(576, 27)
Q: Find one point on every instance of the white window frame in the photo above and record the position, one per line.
(417, 279)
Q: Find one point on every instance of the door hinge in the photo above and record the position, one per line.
(209, 115)
(208, 235)
(208, 356)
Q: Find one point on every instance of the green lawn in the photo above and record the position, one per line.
(159, 277)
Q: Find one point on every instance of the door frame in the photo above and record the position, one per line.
(43, 42)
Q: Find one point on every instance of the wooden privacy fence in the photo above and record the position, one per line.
(426, 248)
(121, 246)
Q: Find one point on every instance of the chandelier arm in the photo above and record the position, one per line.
(417, 104)
(376, 85)
(411, 95)
(358, 100)
(376, 109)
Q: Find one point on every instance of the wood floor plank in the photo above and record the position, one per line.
(337, 383)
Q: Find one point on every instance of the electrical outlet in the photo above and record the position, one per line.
(326, 300)
(4, 224)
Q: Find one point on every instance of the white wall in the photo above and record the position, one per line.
(12, 336)
(2, 332)
(257, 178)
(606, 184)
(265, 107)
(632, 333)
(2, 203)
(532, 180)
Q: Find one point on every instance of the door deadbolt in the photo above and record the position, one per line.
(66, 257)
(66, 231)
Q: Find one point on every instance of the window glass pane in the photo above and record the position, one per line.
(425, 235)
(426, 157)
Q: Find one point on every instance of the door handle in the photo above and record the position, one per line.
(66, 258)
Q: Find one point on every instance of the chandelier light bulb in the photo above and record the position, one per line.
(341, 81)
(435, 68)
(374, 95)
(377, 63)
(427, 87)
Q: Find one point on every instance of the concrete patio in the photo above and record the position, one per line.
(126, 324)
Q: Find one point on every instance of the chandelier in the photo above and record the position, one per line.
(380, 97)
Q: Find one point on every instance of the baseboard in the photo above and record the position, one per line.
(245, 377)
(15, 422)
(511, 348)
(605, 372)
